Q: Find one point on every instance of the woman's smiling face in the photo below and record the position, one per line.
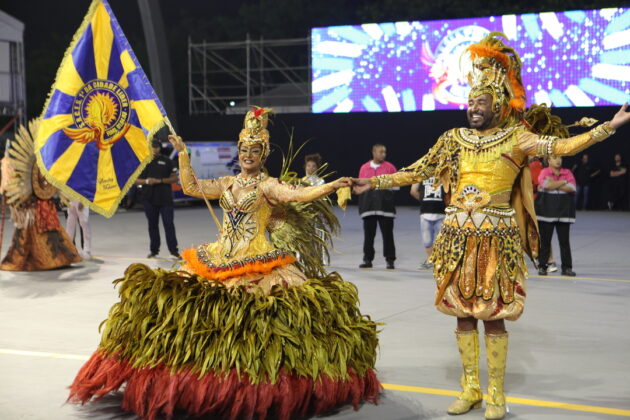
(250, 157)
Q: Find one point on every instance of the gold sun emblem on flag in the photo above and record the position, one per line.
(100, 113)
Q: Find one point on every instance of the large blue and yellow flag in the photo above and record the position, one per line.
(96, 127)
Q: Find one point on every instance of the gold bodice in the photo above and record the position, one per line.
(243, 244)
(244, 227)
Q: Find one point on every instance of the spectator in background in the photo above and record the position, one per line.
(312, 163)
(431, 214)
(555, 209)
(311, 177)
(536, 165)
(77, 212)
(617, 184)
(377, 207)
(157, 196)
(584, 172)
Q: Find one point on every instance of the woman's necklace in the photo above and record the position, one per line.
(244, 183)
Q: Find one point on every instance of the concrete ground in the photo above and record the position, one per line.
(568, 359)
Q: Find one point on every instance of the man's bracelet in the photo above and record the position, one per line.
(602, 132)
(382, 182)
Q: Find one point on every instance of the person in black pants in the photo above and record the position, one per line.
(377, 207)
(617, 184)
(157, 196)
(555, 209)
(584, 173)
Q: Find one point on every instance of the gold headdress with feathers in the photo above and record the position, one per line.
(255, 128)
(25, 178)
(496, 70)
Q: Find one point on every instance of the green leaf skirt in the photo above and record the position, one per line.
(178, 342)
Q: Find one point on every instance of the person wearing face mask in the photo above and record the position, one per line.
(155, 181)
(242, 329)
(490, 221)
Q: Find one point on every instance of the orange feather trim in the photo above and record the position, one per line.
(222, 273)
(485, 50)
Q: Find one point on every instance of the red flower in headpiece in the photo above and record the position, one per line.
(258, 112)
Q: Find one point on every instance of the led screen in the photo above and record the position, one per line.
(577, 58)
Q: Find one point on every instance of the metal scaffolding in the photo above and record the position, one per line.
(227, 77)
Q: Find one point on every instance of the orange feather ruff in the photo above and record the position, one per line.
(487, 50)
(217, 273)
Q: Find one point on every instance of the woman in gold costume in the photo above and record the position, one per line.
(478, 258)
(242, 330)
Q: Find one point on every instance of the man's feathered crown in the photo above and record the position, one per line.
(496, 69)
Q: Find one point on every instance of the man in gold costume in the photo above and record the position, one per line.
(478, 256)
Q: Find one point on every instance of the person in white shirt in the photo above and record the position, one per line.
(431, 214)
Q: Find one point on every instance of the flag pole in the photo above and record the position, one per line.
(212, 213)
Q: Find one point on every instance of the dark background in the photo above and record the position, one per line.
(344, 140)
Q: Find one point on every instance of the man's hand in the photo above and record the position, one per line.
(177, 143)
(621, 117)
(361, 185)
(342, 182)
(153, 181)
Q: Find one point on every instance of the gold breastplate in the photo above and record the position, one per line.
(487, 163)
(492, 177)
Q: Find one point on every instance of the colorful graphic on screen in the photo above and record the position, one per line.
(576, 58)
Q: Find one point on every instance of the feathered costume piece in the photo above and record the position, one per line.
(297, 225)
(497, 71)
(39, 241)
(244, 330)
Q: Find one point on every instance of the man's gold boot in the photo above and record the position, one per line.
(496, 353)
(471, 395)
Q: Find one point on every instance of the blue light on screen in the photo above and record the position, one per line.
(576, 58)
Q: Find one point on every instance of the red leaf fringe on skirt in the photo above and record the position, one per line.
(153, 391)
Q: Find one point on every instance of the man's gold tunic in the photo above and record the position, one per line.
(478, 258)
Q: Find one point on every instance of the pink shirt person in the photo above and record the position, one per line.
(565, 175)
(370, 169)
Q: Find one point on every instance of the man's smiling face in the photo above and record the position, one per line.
(479, 113)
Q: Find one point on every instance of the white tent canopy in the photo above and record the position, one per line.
(11, 29)
(12, 83)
